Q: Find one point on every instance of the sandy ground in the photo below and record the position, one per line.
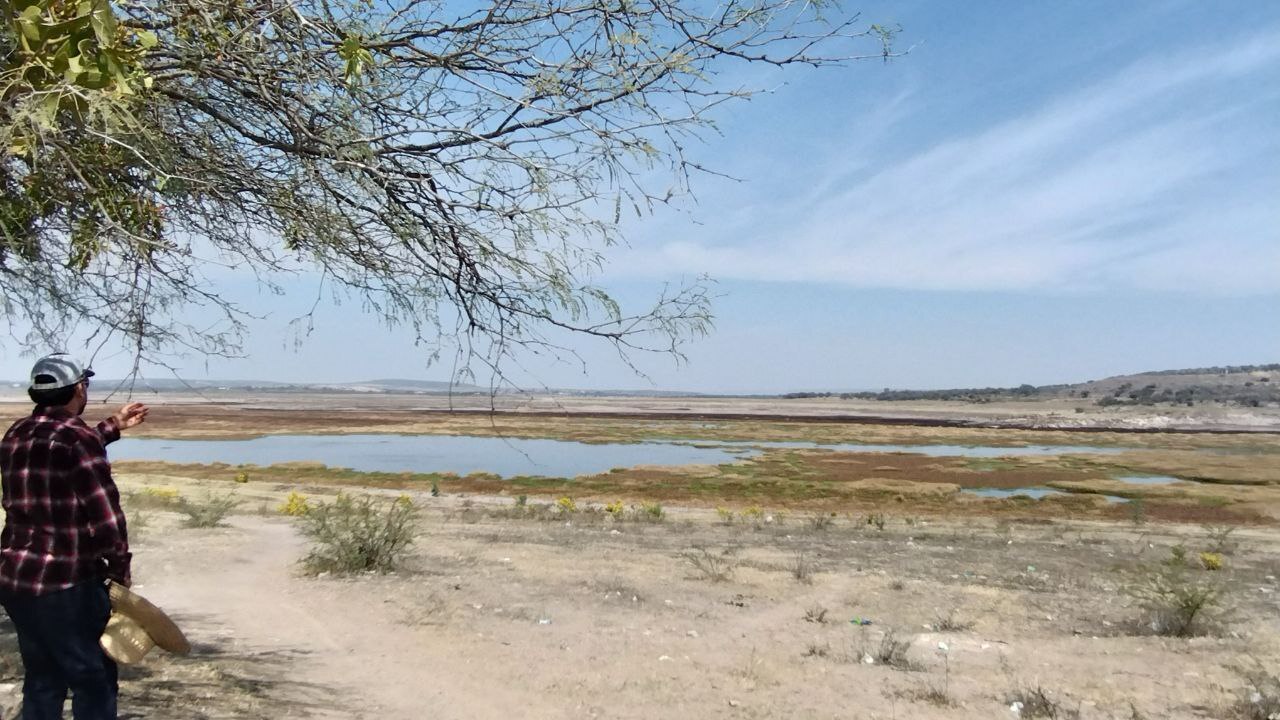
(497, 617)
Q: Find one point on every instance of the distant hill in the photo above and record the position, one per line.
(1243, 385)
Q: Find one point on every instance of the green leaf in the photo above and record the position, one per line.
(103, 22)
(147, 39)
(29, 24)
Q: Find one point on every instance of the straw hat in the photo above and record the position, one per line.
(136, 626)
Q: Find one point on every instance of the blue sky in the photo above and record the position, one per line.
(1035, 193)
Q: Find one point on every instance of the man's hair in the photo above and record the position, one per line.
(52, 398)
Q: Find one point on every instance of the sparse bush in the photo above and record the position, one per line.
(295, 505)
(649, 512)
(949, 623)
(815, 614)
(1176, 603)
(358, 534)
(713, 567)
(209, 511)
(1177, 556)
(242, 477)
(725, 515)
(892, 652)
(817, 650)
(801, 569)
(435, 489)
(1137, 511)
(1220, 541)
(522, 501)
(137, 520)
(154, 497)
(1261, 699)
(876, 520)
(566, 505)
(754, 513)
(1036, 702)
(615, 509)
(821, 521)
(1211, 560)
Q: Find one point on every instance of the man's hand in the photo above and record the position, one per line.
(131, 415)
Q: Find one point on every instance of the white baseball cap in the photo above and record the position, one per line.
(58, 370)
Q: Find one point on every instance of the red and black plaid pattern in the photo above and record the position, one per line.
(63, 522)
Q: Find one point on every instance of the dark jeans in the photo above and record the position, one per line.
(58, 636)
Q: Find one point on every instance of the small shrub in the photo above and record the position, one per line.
(358, 534)
(649, 512)
(295, 505)
(876, 520)
(435, 489)
(1261, 699)
(154, 497)
(137, 521)
(1220, 541)
(1177, 604)
(1177, 556)
(754, 513)
(614, 508)
(801, 569)
(725, 515)
(1137, 511)
(1211, 560)
(209, 511)
(821, 521)
(815, 614)
(242, 477)
(949, 623)
(817, 650)
(713, 567)
(566, 505)
(522, 501)
(1036, 702)
(892, 652)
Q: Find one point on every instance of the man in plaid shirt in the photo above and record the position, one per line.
(64, 534)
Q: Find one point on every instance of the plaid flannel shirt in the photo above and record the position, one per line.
(63, 522)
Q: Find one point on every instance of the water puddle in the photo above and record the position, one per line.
(1031, 492)
(507, 457)
(969, 451)
(1148, 479)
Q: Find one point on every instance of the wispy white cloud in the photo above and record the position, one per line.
(1162, 176)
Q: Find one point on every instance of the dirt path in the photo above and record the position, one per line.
(326, 648)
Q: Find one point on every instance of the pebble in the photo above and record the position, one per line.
(692, 633)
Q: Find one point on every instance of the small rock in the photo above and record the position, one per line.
(692, 633)
(544, 621)
(665, 658)
(733, 703)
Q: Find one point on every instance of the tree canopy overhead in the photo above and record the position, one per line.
(459, 167)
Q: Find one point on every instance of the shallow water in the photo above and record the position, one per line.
(1032, 492)
(1148, 479)
(507, 457)
(972, 451)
